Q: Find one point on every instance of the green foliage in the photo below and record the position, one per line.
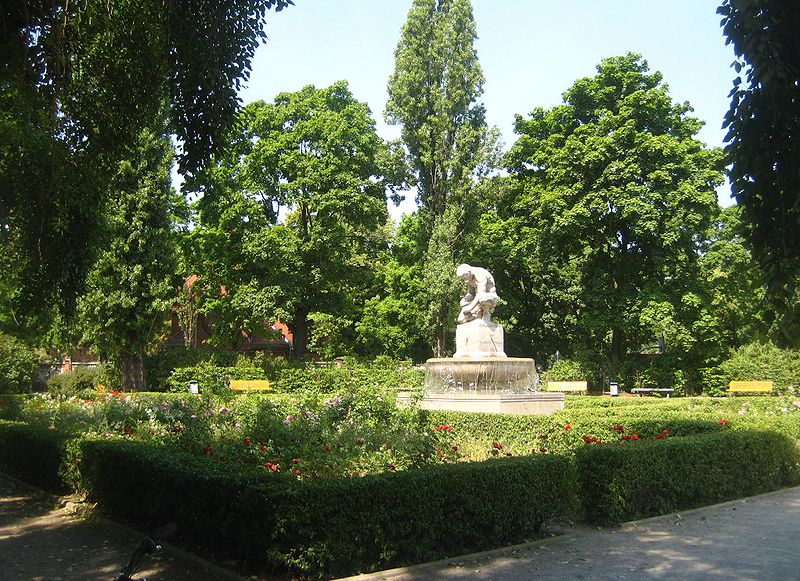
(160, 365)
(18, 365)
(315, 155)
(762, 362)
(615, 191)
(81, 381)
(33, 454)
(638, 479)
(79, 83)
(210, 378)
(763, 133)
(332, 527)
(567, 370)
(434, 95)
(129, 288)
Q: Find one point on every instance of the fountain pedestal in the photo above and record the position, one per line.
(480, 377)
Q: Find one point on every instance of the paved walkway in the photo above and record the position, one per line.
(43, 541)
(751, 539)
(757, 538)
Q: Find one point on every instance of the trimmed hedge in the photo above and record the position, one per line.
(338, 526)
(33, 455)
(624, 482)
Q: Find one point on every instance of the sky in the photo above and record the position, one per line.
(530, 51)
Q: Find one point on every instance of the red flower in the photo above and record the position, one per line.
(295, 461)
(497, 445)
(454, 448)
(567, 426)
(263, 448)
(635, 437)
(440, 455)
(724, 423)
(618, 428)
(128, 431)
(443, 428)
(247, 441)
(543, 450)
(661, 436)
(297, 472)
(208, 450)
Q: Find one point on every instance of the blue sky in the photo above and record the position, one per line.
(531, 51)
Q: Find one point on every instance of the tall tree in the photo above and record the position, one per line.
(78, 82)
(764, 143)
(130, 286)
(434, 95)
(314, 157)
(615, 184)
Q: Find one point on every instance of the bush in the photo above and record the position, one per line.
(33, 455)
(210, 378)
(80, 381)
(160, 366)
(757, 361)
(639, 479)
(18, 365)
(337, 526)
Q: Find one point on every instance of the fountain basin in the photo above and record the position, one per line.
(481, 374)
(498, 403)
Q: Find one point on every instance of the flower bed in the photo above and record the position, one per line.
(324, 483)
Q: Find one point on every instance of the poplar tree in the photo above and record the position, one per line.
(434, 95)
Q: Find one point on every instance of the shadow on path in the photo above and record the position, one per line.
(755, 538)
(40, 540)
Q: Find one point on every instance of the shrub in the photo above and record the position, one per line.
(211, 378)
(18, 365)
(33, 455)
(757, 361)
(160, 366)
(80, 381)
(639, 479)
(567, 370)
(336, 526)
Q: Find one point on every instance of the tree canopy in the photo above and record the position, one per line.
(78, 82)
(620, 193)
(764, 143)
(310, 184)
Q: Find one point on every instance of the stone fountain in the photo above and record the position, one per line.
(480, 377)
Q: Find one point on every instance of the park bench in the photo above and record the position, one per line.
(750, 387)
(568, 386)
(642, 391)
(248, 385)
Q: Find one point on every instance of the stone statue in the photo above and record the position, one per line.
(481, 297)
(476, 335)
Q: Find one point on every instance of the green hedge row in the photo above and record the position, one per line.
(649, 478)
(338, 526)
(33, 455)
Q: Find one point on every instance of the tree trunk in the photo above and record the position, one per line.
(300, 332)
(617, 348)
(133, 372)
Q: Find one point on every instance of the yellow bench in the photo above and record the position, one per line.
(570, 386)
(247, 385)
(750, 387)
